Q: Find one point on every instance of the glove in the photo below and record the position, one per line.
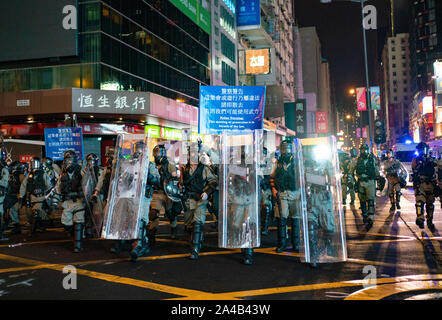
(204, 196)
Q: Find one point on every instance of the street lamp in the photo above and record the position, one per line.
(352, 92)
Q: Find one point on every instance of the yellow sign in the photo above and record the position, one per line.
(258, 61)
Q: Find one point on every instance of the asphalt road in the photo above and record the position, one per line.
(405, 260)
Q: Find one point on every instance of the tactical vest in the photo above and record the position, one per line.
(285, 179)
(194, 183)
(71, 185)
(366, 167)
(14, 184)
(36, 183)
(426, 168)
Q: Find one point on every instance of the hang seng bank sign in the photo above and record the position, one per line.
(118, 102)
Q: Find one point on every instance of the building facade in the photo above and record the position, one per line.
(396, 87)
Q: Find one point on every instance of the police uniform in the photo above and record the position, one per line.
(283, 184)
(11, 204)
(34, 188)
(391, 171)
(424, 183)
(367, 171)
(199, 182)
(266, 204)
(160, 199)
(4, 179)
(69, 186)
(348, 179)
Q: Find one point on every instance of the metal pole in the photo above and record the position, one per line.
(370, 124)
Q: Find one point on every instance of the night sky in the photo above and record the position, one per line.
(339, 27)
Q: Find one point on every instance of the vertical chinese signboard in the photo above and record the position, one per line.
(361, 99)
(321, 122)
(300, 118)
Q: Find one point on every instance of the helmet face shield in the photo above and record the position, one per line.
(70, 160)
(35, 163)
(286, 147)
(159, 152)
(92, 160)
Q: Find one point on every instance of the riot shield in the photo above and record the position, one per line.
(324, 228)
(94, 205)
(126, 197)
(239, 223)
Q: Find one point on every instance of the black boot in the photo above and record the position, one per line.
(151, 235)
(393, 205)
(248, 256)
(398, 200)
(78, 237)
(430, 210)
(196, 240)
(295, 235)
(140, 247)
(16, 229)
(265, 221)
(282, 235)
(364, 211)
(173, 232)
(119, 245)
(420, 221)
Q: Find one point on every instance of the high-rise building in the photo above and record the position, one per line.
(267, 26)
(142, 45)
(316, 79)
(396, 84)
(224, 43)
(425, 49)
(131, 66)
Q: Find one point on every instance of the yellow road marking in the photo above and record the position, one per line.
(195, 294)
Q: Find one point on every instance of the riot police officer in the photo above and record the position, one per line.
(348, 178)
(392, 168)
(166, 170)
(69, 186)
(283, 184)
(11, 204)
(367, 172)
(266, 204)
(33, 190)
(199, 183)
(94, 176)
(103, 184)
(424, 183)
(4, 179)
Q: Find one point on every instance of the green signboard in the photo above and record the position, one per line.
(196, 13)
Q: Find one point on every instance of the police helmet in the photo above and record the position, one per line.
(92, 160)
(159, 152)
(70, 158)
(47, 162)
(353, 152)
(20, 168)
(286, 147)
(423, 148)
(389, 152)
(364, 148)
(35, 163)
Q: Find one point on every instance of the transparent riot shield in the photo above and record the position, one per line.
(324, 228)
(94, 204)
(126, 198)
(239, 223)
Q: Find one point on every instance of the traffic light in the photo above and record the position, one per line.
(379, 132)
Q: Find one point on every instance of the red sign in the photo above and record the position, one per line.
(358, 132)
(361, 99)
(321, 122)
(26, 158)
(364, 132)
